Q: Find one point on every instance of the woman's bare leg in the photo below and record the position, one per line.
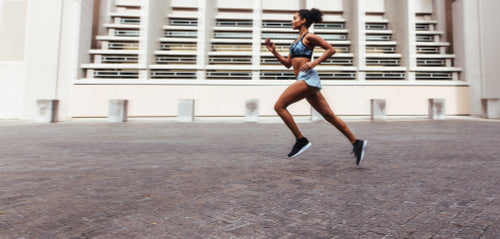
(318, 102)
(295, 92)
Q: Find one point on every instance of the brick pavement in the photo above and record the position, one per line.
(420, 179)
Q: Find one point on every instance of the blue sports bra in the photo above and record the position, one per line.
(298, 49)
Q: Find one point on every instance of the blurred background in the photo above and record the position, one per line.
(155, 52)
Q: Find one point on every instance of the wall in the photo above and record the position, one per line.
(476, 43)
(490, 33)
(216, 100)
(12, 37)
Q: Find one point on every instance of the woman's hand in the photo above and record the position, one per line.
(270, 45)
(307, 66)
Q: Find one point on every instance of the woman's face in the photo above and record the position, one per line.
(297, 21)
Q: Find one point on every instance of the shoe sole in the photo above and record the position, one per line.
(302, 150)
(362, 152)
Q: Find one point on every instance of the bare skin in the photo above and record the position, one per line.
(300, 90)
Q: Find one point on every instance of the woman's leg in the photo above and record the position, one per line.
(295, 92)
(318, 102)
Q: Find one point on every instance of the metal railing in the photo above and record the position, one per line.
(214, 60)
(176, 59)
(376, 26)
(385, 76)
(434, 76)
(431, 62)
(116, 73)
(168, 74)
(229, 75)
(380, 49)
(382, 62)
(125, 59)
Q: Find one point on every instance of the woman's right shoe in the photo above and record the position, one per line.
(359, 150)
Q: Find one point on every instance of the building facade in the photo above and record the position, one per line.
(155, 53)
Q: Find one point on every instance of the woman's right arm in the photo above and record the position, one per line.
(287, 62)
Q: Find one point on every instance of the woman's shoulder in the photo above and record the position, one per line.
(312, 36)
(312, 39)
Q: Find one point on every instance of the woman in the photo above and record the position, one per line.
(308, 84)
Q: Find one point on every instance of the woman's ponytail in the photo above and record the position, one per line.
(312, 16)
(317, 15)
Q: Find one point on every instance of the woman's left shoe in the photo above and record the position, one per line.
(300, 146)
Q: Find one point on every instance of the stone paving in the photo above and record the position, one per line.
(154, 179)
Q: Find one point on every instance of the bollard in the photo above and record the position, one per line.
(47, 111)
(252, 110)
(437, 109)
(491, 108)
(118, 110)
(315, 115)
(378, 109)
(185, 111)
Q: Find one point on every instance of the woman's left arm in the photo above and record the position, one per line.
(315, 40)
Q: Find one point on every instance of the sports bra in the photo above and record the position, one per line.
(298, 49)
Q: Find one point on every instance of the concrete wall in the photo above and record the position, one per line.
(490, 34)
(476, 48)
(216, 100)
(12, 38)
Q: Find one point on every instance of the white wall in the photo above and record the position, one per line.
(12, 36)
(1, 13)
(424, 6)
(490, 34)
(11, 88)
(212, 100)
(328, 5)
(293, 5)
(185, 3)
(476, 47)
(42, 51)
(374, 5)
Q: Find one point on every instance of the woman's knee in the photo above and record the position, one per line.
(279, 107)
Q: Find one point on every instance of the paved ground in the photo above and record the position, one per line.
(420, 179)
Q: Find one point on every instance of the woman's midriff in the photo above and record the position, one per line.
(297, 63)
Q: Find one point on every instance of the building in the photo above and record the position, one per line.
(155, 52)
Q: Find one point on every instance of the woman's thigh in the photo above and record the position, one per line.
(295, 92)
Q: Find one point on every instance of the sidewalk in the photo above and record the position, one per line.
(154, 179)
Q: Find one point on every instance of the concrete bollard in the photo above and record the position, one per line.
(118, 111)
(491, 108)
(185, 111)
(378, 109)
(47, 111)
(315, 115)
(437, 109)
(252, 110)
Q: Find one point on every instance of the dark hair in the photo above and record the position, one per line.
(312, 16)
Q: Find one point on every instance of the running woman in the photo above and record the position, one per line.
(308, 84)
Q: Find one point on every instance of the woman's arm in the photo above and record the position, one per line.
(314, 40)
(287, 62)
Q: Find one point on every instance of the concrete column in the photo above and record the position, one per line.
(467, 49)
(491, 108)
(118, 111)
(256, 40)
(401, 16)
(355, 12)
(378, 109)
(207, 9)
(153, 15)
(252, 110)
(47, 111)
(185, 110)
(437, 109)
